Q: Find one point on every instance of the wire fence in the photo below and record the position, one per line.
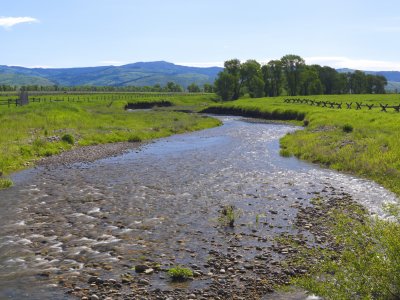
(14, 99)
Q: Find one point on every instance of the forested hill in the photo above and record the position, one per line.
(137, 74)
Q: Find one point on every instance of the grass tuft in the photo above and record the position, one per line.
(5, 183)
(179, 273)
(68, 139)
(347, 128)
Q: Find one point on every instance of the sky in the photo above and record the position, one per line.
(357, 34)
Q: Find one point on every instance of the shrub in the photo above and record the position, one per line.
(180, 273)
(68, 139)
(347, 128)
(134, 139)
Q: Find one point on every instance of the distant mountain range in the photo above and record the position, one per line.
(138, 74)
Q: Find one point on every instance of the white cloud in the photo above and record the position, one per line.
(112, 62)
(8, 22)
(358, 64)
(201, 64)
(41, 67)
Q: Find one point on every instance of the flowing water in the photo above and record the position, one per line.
(59, 225)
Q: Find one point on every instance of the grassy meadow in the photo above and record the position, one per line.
(47, 128)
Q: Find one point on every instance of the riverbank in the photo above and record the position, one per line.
(43, 130)
(361, 259)
(363, 142)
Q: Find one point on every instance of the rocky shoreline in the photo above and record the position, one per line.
(89, 154)
(227, 273)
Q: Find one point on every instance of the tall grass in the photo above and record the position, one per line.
(47, 128)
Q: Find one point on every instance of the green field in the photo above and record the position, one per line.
(37, 130)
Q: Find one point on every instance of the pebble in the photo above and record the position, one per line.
(144, 281)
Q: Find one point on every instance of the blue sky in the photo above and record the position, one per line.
(71, 33)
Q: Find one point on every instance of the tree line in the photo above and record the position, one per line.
(291, 76)
(169, 87)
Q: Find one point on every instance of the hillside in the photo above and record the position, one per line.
(138, 74)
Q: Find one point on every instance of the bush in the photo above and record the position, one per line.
(68, 139)
(134, 139)
(347, 128)
(179, 273)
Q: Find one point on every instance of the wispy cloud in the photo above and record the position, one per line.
(111, 62)
(8, 22)
(358, 64)
(388, 29)
(201, 64)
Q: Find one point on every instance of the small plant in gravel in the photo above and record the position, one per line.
(180, 273)
(68, 138)
(5, 183)
(228, 215)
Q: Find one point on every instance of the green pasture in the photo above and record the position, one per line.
(37, 130)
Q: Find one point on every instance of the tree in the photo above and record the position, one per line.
(225, 85)
(358, 82)
(310, 84)
(273, 79)
(251, 77)
(193, 88)
(172, 87)
(292, 66)
(208, 88)
(233, 67)
(329, 78)
(375, 84)
(343, 83)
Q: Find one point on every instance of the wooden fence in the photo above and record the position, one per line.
(341, 105)
(14, 100)
(23, 99)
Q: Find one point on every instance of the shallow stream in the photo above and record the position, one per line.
(60, 225)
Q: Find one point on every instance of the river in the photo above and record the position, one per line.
(61, 225)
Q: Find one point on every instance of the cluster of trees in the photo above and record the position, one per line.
(291, 76)
(169, 87)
